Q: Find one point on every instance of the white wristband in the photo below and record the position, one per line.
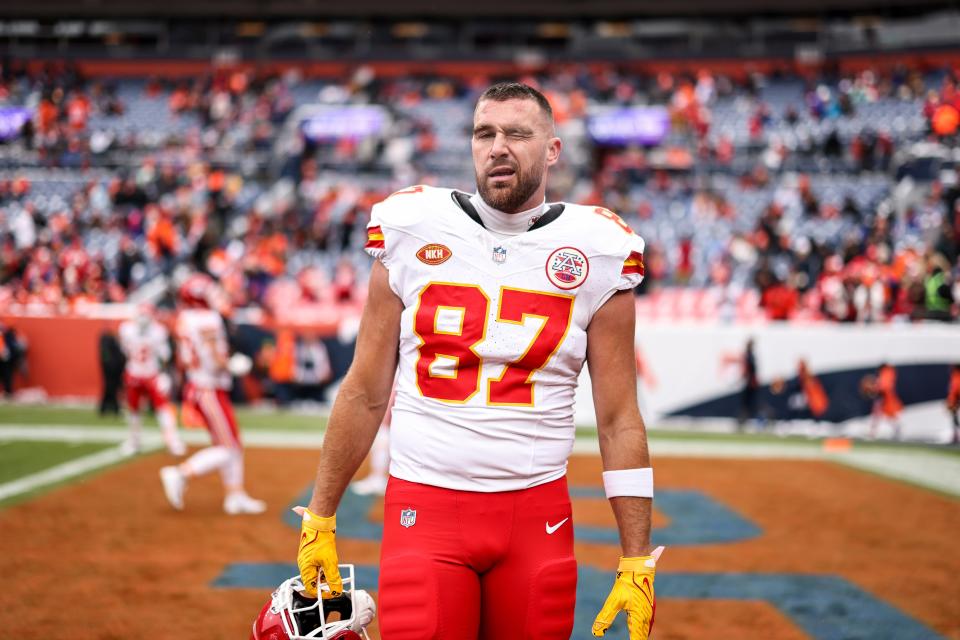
(629, 482)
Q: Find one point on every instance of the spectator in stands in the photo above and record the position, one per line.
(938, 290)
(196, 193)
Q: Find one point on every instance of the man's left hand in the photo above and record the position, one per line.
(632, 592)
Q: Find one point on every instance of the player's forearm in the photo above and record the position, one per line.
(633, 522)
(353, 425)
(623, 445)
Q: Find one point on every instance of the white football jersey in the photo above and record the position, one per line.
(146, 347)
(493, 335)
(203, 348)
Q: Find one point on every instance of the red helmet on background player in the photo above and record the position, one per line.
(196, 291)
(290, 615)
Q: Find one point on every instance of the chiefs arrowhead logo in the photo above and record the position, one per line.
(434, 254)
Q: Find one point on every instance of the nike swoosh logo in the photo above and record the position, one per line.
(646, 593)
(552, 528)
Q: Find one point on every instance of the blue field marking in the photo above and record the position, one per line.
(824, 607)
(353, 519)
(695, 518)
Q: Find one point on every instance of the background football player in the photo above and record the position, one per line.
(204, 354)
(146, 345)
(491, 304)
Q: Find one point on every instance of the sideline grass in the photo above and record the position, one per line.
(269, 419)
(259, 419)
(24, 457)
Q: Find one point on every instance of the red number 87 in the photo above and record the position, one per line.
(448, 367)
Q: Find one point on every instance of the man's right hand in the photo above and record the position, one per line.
(317, 555)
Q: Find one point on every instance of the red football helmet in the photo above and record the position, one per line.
(290, 615)
(196, 291)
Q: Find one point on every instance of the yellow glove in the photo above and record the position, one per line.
(317, 556)
(633, 592)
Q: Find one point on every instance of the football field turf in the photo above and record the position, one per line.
(20, 458)
(766, 537)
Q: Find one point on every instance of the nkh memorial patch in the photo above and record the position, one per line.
(567, 268)
(434, 254)
(408, 517)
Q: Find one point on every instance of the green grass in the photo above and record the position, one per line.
(255, 419)
(23, 457)
(269, 419)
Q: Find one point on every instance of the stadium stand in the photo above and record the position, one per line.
(769, 195)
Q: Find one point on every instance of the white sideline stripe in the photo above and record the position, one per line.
(60, 472)
(151, 438)
(927, 469)
(935, 472)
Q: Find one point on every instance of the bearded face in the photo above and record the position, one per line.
(513, 146)
(507, 186)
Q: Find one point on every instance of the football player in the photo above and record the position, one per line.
(490, 304)
(146, 344)
(204, 354)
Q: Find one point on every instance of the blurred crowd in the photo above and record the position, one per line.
(759, 185)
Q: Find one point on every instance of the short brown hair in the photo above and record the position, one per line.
(503, 91)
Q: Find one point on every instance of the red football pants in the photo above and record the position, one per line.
(217, 411)
(477, 565)
(137, 388)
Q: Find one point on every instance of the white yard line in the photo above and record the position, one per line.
(60, 433)
(60, 472)
(151, 436)
(925, 468)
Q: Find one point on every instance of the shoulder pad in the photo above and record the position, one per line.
(408, 206)
(606, 230)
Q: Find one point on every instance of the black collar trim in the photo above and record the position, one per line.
(462, 200)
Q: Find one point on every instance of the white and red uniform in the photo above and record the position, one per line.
(492, 340)
(147, 347)
(203, 351)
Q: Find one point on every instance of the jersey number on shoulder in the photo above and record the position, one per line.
(614, 218)
(451, 320)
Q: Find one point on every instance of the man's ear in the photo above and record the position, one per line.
(554, 145)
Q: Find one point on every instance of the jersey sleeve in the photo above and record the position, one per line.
(632, 271)
(621, 252)
(376, 244)
(391, 218)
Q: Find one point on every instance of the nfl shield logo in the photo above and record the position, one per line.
(408, 517)
(499, 254)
